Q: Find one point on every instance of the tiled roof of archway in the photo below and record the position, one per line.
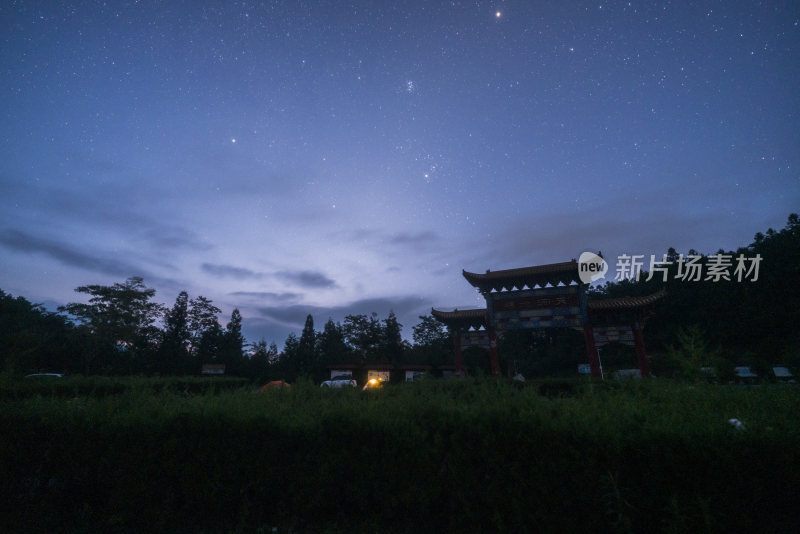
(466, 318)
(479, 317)
(622, 303)
(537, 275)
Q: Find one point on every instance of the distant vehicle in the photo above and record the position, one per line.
(339, 383)
(44, 375)
(709, 374)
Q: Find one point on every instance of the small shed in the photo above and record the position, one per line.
(627, 373)
(413, 373)
(342, 370)
(449, 371)
(783, 374)
(379, 371)
(745, 374)
(213, 369)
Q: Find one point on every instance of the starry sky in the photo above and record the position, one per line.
(341, 157)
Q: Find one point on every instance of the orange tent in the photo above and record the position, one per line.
(274, 384)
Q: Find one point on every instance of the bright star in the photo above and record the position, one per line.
(497, 14)
(233, 140)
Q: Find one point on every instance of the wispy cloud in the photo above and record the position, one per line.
(175, 237)
(310, 279)
(64, 208)
(268, 295)
(414, 239)
(378, 238)
(230, 271)
(73, 257)
(302, 278)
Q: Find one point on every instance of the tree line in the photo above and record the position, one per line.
(121, 330)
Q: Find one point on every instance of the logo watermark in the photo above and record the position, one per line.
(591, 267)
(690, 268)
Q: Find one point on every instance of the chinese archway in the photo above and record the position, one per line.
(547, 296)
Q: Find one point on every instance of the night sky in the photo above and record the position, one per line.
(339, 158)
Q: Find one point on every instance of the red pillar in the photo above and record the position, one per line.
(641, 355)
(459, 355)
(493, 359)
(591, 351)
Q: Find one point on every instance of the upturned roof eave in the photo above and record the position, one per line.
(553, 273)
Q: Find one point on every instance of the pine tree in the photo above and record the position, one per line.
(331, 345)
(233, 345)
(306, 348)
(288, 362)
(262, 365)
(392, 339)
(258, 364)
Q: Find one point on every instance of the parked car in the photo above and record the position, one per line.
(44, 375)
(339, 383)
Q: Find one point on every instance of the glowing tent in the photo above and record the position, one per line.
(274, 384)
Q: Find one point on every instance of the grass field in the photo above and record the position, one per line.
(437, 456)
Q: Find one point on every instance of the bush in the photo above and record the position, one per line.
(19, 387)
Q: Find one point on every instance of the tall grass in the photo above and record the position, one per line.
(437, 456)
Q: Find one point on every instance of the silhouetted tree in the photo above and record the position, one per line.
(331, 345)
(121, 320)
(263, 362)
(35, 340)
(433, 344)
(288, 362)
(233, 345)
(364, 335)
(392, 346)
(306, 348)
(205, 331)
(174, 355)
